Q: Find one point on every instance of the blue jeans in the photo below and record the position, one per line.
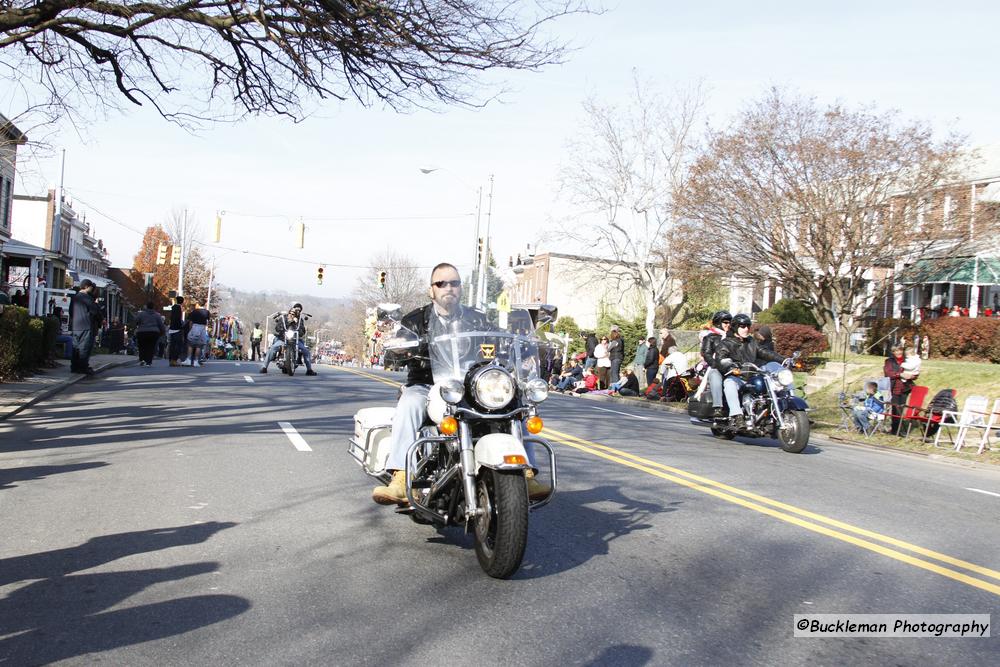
(277, 346)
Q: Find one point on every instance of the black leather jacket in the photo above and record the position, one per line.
(708, 345)
(281, 324)
(732, 351)
(418, 321)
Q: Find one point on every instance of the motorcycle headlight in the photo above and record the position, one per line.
(452, 391)
(536, 390)
(493, 388)
(289, 335)
(785, 377)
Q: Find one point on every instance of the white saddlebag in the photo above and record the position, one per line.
(371, 443)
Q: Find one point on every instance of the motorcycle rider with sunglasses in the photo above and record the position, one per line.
(436, 318)
(283, 323)
(737, 348)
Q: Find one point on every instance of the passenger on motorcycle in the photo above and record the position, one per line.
(737, 348)
(434, 319)
(721, 321)
(282, 323)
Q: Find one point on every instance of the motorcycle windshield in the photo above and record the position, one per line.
(453, 354)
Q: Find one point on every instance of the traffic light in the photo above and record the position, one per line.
(319, 276)
(479, 252)
(217, 236)
(175, 255)
(381, 280)
(161, 253)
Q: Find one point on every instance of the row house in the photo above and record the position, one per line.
(582, 287)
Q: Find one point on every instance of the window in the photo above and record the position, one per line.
(946, 212)
(5, 204)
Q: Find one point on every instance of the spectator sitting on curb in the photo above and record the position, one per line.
(628, 385)
(589, 382)
(569, 377)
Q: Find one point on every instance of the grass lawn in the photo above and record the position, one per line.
(967, 377)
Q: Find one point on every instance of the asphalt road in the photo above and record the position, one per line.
(164, 517)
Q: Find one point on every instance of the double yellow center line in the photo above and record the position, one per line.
(866, 539)
(891, 547)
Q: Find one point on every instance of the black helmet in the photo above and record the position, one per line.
(296, 305)
(741, 320)
(720, 317)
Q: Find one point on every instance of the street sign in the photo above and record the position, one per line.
(503, 302)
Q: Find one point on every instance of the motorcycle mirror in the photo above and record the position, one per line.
(547, 313)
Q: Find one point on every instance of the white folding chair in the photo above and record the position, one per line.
(992, 422)
(972, 415)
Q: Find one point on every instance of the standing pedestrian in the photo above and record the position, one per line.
(590, 344)
(616, 352)
(256, 336)
(85, 317)
(197, 335)
(175, 332)
(667, 341)
(603, 364)
(652, 361)
(149, 326)
(901, 385)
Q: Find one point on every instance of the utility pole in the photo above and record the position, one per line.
(475, 246)
(180, 271)
(211, 278)
(485, 263)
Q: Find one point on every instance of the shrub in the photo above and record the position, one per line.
(957, 337)
(34, 345)
(787, 311)
(789, 338)
(13, 333)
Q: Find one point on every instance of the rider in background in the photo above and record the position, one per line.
(737, 348)
(282, 323)
(721, 321)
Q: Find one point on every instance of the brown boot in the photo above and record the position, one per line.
(394, 493)
(536, 490)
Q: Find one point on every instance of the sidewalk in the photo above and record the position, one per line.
(16, 396)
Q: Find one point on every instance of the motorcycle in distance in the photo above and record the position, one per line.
(287, 356)
(468, 465)
(770, 409)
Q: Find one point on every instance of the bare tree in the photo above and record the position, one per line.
(816, 197)
(270, 56)
(622, 175)
(404, 283)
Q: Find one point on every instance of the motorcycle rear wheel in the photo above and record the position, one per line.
(795, 436)
(501, 531)
(289, 360)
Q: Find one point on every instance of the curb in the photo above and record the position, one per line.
(60, 386)
(822, 439)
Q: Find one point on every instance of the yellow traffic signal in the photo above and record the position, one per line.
(381, 279)
(175, 255)
(161, 253)
(217, 236)
(319, 276)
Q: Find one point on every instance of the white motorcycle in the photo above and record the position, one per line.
(468, 464)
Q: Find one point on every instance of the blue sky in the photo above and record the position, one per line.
(346, 165)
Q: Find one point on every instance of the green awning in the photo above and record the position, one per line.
(963, 270)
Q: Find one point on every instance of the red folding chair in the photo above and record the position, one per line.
(927, 418)
(914, 406)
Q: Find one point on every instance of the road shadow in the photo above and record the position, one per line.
(10, 475)
(61, 615)
(627, 655)
(575, 527)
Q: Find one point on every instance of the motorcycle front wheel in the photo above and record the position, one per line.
(502, 528)
(289, 360)
(795, 436)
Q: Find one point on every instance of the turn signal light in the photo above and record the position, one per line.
(448, 426)
(515, 460)
(534, 425)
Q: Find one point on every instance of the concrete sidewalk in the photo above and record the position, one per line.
(16, 396)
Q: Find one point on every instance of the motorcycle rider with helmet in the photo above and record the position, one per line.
(440, 316)
(737, 348)
(282, 323)
(721, 321)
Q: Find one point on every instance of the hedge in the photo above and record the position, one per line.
(25, 342)
(787, 311)
(789, 338)
(964, 337)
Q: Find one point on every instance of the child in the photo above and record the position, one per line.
(911, 364)
(866, 411)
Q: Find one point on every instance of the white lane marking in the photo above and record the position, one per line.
(237, 364)
(989, 493)
(248, 379)
(297, 440)
(627, 414)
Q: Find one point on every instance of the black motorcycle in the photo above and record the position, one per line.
(769, 409)
(288, 357)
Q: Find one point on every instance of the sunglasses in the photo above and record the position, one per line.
(441, 284)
